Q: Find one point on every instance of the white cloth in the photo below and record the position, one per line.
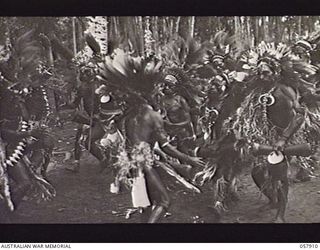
(139, 192)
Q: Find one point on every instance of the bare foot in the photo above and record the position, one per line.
(279, 220)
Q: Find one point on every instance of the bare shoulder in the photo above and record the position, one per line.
(181, 98)
(148, 112)
(145, 109)
(153, 116)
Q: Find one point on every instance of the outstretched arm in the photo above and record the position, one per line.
(294, 125)
(165, 145)
(306, 93)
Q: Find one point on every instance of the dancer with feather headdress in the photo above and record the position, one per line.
(142, 128)
(183, 92)
(19, 75)
(202, 64)
(267, 112)
(94, 107)
(307, 49)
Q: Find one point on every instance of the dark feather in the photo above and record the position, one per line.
(304, 68)
(22, 40)
(314, 37)
(61, 49)
(92, 43)
(184, 54)
(136, 75)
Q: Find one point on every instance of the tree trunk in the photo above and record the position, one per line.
(164, 29)
(115, 26)
(261, 29)
(141, 35)
(177, 25)
(257, 33)
(74, 36)
(183, 28)
(290, 30)
(80, 35)
(154, 28)
(237, 27)
(300, 25)
(171, 26)
(266, 29)
(276, 28)
(250, 38)
(191, 26)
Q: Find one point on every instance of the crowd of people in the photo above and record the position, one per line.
(202, 112)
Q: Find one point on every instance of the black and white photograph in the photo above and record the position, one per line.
(159, 119)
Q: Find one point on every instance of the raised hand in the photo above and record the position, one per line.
(279, 145)
(196, 162)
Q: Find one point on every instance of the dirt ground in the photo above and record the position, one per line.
(84, 197)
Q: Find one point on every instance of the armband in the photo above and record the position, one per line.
(165, 144)
(196, 150)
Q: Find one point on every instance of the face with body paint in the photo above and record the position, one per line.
(302, 50)
(87, 74)
(170, 81)
(265, 71)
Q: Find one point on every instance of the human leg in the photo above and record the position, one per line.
(158, 194)
(259, 175)
(21, 177)
(280, 183)
(77, 149)
(96, 133)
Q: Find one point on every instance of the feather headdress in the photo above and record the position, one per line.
(278, 58)
(308, 42)
(134, 75)
(309, 46)
(192, 55)
(284, 67)
(223, 47)
(184, 54)
(225, 44)
(24, 59)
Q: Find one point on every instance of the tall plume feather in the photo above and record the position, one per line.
(135, 75)
(186, 54)
(92, 43)
(26, 53)
(61, 49)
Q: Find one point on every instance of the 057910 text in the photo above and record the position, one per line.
(308, 246)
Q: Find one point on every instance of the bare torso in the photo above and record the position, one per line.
(176, 108)
(141, 124)
(283, 110)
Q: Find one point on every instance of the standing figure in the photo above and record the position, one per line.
(90, 129)
(267, 112)
(39, 110)
(142, 128)
(177, 116)
(18, 72)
